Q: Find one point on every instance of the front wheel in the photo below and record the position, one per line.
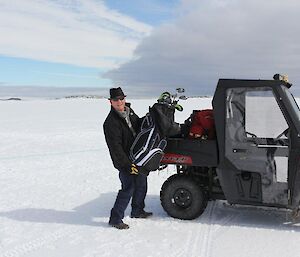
(182, 197)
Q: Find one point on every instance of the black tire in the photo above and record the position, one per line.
(182, 197)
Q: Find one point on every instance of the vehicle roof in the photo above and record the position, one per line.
(230, 83)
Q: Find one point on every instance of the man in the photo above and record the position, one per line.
(120, 129)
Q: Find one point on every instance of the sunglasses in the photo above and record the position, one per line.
(117, 99)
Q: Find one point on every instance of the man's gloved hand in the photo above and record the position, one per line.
(136, 170)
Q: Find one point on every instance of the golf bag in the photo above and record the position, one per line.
(148, 147)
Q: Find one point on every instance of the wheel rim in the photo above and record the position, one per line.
(182, 197)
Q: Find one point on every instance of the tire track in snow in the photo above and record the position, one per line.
(215, 227)
(183, 252)
(220, 230)
(35, 244)
(206, 237)
(200, 241)
(195, 241)
(216, 232)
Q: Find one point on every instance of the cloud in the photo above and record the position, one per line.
(214, 39)
(78, 32)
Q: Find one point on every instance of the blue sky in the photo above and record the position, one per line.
(30, 55)
(20, 72)
(154, 12)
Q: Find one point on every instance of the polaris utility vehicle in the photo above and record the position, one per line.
(253, 160)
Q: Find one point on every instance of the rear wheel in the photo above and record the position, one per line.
(182, 197)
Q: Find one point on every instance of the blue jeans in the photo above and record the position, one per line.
(133, 186)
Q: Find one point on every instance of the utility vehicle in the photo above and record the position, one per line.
(254, 159)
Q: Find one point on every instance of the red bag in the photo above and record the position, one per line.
(203, 125)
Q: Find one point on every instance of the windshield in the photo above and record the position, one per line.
(292, 101)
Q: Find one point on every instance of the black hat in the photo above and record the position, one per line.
(116, 93)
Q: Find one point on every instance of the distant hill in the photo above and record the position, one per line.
(85, 96)
(12, 99)
(48, 92)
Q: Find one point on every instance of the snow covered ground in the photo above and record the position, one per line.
(57, 186)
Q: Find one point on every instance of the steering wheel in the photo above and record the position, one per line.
(251, 134)
(282, 133)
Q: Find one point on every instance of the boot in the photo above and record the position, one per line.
(142, 215)
(121, 225)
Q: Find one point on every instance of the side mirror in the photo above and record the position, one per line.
(283, 78)
(180, 90)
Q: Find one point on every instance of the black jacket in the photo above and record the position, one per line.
(119, 137)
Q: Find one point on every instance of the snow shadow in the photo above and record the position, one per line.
(225, 215)
(216, 212)
(80, 215)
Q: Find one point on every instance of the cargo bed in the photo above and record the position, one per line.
(194, 152)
